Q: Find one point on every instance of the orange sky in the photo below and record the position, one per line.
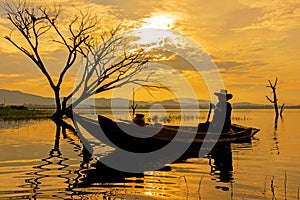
(250, 41)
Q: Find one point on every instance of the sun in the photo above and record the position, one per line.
(156, 30)
(159, 21)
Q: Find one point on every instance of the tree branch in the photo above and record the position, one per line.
(269, 99)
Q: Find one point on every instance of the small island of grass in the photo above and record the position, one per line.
(22, 113)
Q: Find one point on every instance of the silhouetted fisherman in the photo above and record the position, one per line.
(222, 112)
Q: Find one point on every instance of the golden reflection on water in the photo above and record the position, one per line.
(38, 161)
(37, 174)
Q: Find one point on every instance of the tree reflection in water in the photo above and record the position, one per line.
(55, 178)
(53, 174)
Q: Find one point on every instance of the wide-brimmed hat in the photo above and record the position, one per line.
(224, 93)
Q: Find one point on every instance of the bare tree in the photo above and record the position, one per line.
(35, 24)
(110, 65)
(133, 105)
(275, 100)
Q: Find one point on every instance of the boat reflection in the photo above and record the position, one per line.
(221, 168)
(220, 161)
(168, 179)
(100, 174)
(92, 179)
(111, 183)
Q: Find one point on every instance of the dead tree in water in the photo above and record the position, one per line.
(275, 100)
(133, 106)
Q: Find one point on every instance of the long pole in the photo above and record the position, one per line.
(209, 112)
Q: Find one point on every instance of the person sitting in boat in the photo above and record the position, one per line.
(139, 120)
(222, 112)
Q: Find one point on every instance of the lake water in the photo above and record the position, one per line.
(38, 163)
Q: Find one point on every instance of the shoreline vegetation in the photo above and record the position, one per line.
(148, 106)
(23, 113)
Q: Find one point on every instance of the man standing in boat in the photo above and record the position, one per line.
(222, 110)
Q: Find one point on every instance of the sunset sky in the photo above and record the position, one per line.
(250, 41)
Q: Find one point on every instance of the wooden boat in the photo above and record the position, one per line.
(148, 138)
(153, 137)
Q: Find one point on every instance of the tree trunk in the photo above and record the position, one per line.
(275, 107)
(275, 103)
(58, 113)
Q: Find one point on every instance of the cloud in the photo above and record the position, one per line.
(275, 15)
(132, 10)
(228, 64)
(10, 75)
(251, 41)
